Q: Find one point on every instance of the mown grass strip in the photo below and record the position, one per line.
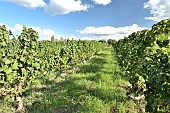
(92, 88)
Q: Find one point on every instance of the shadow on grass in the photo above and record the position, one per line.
(70, 95)
(64, 96)
(96, 64)
(61, 97)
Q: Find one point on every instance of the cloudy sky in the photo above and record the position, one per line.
(83, 19)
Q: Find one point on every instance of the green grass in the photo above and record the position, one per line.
(92, 88)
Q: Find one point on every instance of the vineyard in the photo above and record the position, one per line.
(145, 57)
(66, 76)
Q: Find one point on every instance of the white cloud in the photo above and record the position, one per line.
(17, 28)
(102, 2)
(54, 7)
(29, 3)
(159, 9)
(90, 33)
(44, 34)
(109, 32)
(65, 6)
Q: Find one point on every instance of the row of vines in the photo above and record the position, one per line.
(145, 57)
(24, 58)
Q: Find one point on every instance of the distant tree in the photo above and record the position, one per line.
(61, 38)
(111, 41)
(103, 41)
(52, 39)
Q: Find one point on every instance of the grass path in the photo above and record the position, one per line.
(92, 88)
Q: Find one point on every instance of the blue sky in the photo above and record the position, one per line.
(83, 19)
